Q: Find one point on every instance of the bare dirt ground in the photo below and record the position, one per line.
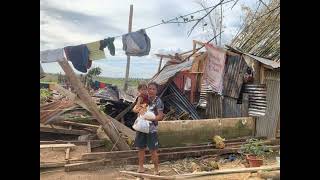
(166, 169)
(58, 155)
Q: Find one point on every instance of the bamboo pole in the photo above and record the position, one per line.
(128, 57)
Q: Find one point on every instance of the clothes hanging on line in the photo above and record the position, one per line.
(214, 68)
(79, 56)
(187, 85)
(136, 43)
(108, 43)
(96, 85)
(94, 51)
(102, 85)
(53, 55)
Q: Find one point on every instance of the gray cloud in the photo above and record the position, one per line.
(84, 22)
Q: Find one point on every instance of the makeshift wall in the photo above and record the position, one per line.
(226, 107)
(267, 125)
(235, 69)
(180, 81)
(183, 132)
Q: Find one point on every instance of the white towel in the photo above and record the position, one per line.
(53, 55)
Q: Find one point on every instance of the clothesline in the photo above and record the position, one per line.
(134, 44)
(175, 18)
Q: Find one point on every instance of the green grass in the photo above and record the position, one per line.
(119, 82)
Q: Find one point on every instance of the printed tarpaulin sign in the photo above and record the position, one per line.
(214, 68)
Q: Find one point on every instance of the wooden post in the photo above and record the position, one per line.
(128, 57)
(107, 125)
(160, 63)
(262, 76)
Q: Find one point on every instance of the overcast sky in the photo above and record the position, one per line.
(73, 22)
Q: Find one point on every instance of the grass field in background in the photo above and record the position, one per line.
(133, 82)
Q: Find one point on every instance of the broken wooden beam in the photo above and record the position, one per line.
(163, 157)
(43, 146)
(121, 127)
(94, 143)
(61, 130)
(67, 154)
(229, 171)
(52, 164)
(106, 122)
(89, 147)
(78, 124)
(83, 165)
(144, 175)
(193, 175)
(130, 153)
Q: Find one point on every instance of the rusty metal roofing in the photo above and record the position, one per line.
(273, 64)
(233, 78)
(170, 70)
(178, 101)
(51, 110)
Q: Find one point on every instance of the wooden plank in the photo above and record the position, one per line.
(166, 154)
(67, 153)
(69, 94)
(51, 164)
(262, 75)
(121, 127)
(43, 146)
(80, 124)
(60, 130)
(229, 171)
(93, 142)
(83, 165)
(89, 147)
(107, 125)
(143, 175)
(121, 154)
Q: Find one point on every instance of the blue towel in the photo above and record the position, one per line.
(79, 56)
(96, 84)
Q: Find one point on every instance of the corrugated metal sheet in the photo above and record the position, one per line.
(226, 107)
(214, 106)
(233, 78)
(178, 101)
(51, 110)
(273, 64)
(257, 98)
(267, 125)
(205, 89)
(232, 109)
(170, 70)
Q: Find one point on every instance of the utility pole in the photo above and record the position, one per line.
(128, 57)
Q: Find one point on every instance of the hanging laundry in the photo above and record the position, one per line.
(94, 51)
(136, 43)
(102, 85)
(187, 85)
(79, 56)
(96, 84)
(214, 68)
(53, 55)
(108, 43)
